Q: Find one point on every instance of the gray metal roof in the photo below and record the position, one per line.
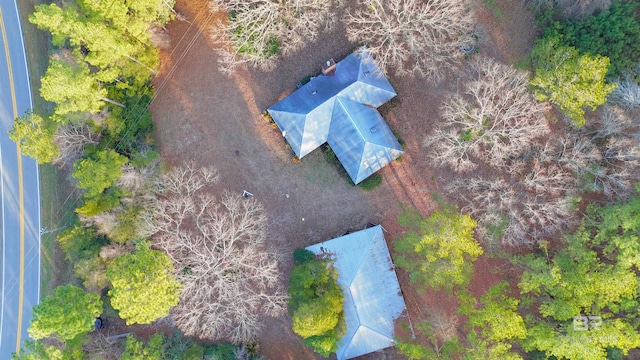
(305, 115)
(361, 139)
(372, 300)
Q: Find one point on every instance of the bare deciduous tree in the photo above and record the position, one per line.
(512, 214)
(612, 121)
(494, 118)
(610, 152)
(413, 37)
(627, 93)
(140, 184)
(71, 140)
(218, 247)
(549, 178)
(254, 31)
(113, 250)
(103, 346)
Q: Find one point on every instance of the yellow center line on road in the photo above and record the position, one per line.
(20, 185)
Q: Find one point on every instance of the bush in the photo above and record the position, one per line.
(305, 80)
(614, 354)
(400, 140)
(302, 256)
(80, 243)
(371, 182)
(330, 156)
(195, 352)
(438, 252)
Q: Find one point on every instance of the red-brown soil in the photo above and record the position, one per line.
(205, 116)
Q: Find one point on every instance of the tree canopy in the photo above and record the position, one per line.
(438, 251)
(143, 287)
(572, 81)
(69, 312)
(316, 304)
(37, 350)
(98, 172)
(613, 32)
(112, 33)
(36, 137)
(72, 88)
(494, 323)
(594, 276)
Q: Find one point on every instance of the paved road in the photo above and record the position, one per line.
(19, 190)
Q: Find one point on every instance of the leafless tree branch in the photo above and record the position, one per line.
(219, 252)
(494, 118)
(255, 29)
(71, 140)
(412, 37)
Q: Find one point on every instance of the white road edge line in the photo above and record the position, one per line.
(4, 225)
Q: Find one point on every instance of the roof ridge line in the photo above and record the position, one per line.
(362, 259)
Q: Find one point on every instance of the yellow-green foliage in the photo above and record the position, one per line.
(69, 312)
(438, 251)
(568, 79)
(35, 136)
(316, 304)
(594, 275)
(135, 349)
(99, 171)
(143, 288)
(494, 323)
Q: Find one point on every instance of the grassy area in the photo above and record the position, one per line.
(37, 45)
(57, 200)
(58, 203)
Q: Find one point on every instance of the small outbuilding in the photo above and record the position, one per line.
(372, 296)
(341, 109)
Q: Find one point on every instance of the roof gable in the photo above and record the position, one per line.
(361, 139)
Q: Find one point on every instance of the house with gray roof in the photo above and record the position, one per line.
(341, 109)
(372, 296)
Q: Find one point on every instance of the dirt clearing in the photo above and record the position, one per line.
(205, 116)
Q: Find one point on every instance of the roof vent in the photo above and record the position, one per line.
(365, 164)
(367, 73)
(373, 129)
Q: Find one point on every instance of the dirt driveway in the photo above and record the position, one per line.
(205, 116)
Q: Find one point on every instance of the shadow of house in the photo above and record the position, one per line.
(372, 296)
(341, 110)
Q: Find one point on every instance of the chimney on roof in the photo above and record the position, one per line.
(329, 68)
